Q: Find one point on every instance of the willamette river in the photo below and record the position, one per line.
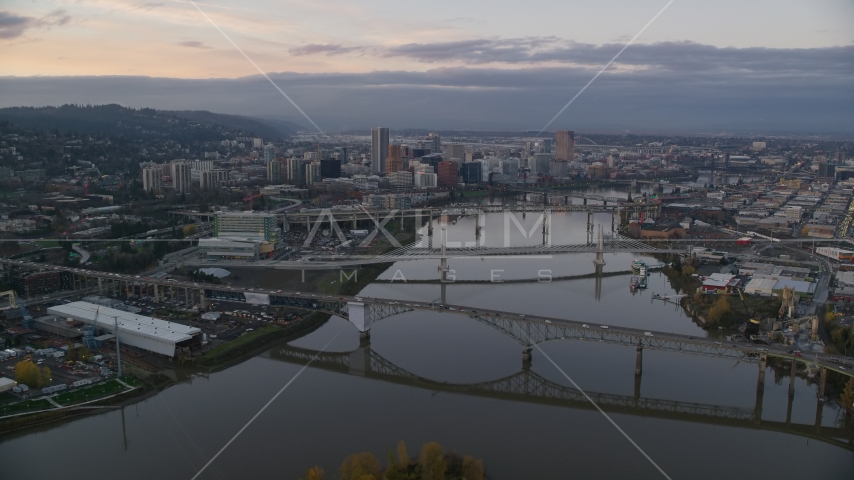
(435, 386)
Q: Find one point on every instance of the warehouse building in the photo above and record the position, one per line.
(151, 334)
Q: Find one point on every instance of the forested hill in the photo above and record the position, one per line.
(116, 120)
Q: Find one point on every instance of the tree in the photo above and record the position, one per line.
(28, 373)
(46, 377)
(472, 468)
(688, 270)
(847, 398)
(314, 473)
(718, 310)
(432, 462)
(402, 455)
(358, 466)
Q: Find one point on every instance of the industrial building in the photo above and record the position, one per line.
(146, 333)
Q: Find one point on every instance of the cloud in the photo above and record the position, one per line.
(194, 44)
(13, 26)
(484, 98)
(670, 56)
(322, 49)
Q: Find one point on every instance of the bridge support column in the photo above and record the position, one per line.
(819, 411)
(792, 374)
(477, 229)
(822, 382)
(760, 389)
(156, 294)
(789, 410)
(127, 289)
(527, 356)
(566, 199)
(100, 286)
(639, 360)
(637, 388)
(203, 302)
(589, 225)
(360, 358)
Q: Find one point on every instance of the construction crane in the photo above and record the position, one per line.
(26, 318)
(251, 197)
(754, 323)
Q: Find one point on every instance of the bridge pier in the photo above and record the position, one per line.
(792, 374)
(639, 360)
(822, 382)
(477, 229)
(527, 357)
(360, 358)
(789, 410)
(589, 225)
(203, 302)
(760, 389)
(637, 394)
(100, 286)
(819, 407)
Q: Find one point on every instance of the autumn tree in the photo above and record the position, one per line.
(847, 397)
(360, 466)
(432, 462)
(29, 374)
(472, 468)
(718, 310)
(314, 473)
(402, 455)
(688, 270)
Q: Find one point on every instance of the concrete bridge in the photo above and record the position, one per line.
(529, 387)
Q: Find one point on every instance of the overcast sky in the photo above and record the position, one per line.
(759, 66)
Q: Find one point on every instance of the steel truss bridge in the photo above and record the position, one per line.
(529, 387)
(526, 330)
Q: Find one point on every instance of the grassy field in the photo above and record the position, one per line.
(30, 405)
(90, 393)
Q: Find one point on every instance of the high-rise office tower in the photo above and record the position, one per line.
(436, 146)
(379, 149)
(394, 160)
(277, 171)
(565, 145)
(455, 151)
(181, 176)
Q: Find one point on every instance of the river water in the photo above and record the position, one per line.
(439, 380)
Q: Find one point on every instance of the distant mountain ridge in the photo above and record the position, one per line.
(115, 119)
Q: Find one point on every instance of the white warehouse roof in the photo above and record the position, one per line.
(148, 333)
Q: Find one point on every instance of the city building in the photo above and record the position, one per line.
(379, 149)
(472, 172)
(436, 145)
(455, 152)
(394, 159)
(277, 171)
(212, 179)
(296, 171)
(330, 168)
(447, 173)
(152, 179)
(564, 145)
(269, 153)
(181, 175)
(425, 180)
(401, 180)
(30, 284)
(246, 225)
